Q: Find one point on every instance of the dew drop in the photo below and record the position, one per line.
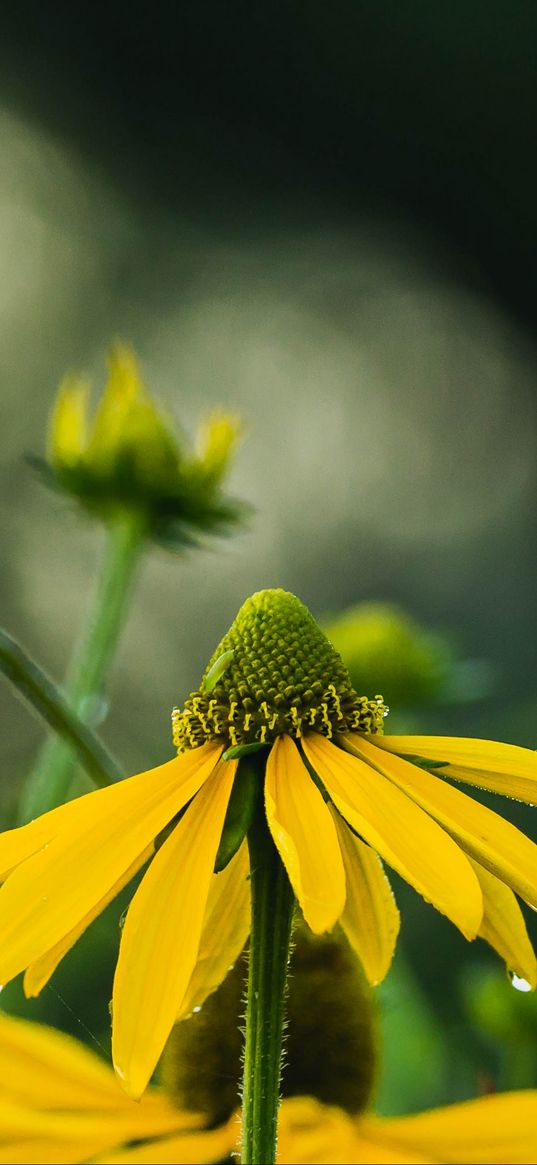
(518, 983)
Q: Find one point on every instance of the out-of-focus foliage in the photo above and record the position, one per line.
(506, 1021)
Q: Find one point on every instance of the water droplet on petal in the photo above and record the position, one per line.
(518, 983)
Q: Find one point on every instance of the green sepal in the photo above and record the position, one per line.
(422, 763)
(314, 776)
(237, 751)
(240, 812)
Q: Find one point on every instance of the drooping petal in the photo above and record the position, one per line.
(201, 1147)
(28, 1136)
(312, 1133)
(37, 1150)
(489, 1131)
(406, 837)
(49, 894)
(226, 926)
(305, 836)
(489, 764)
(16, 845)
(39, 972)
(370, 919)
(504, 928)
(68, 423)
(161, 936)
(493, 842)
(44, 1068)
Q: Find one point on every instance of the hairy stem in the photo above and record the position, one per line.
(272, 910)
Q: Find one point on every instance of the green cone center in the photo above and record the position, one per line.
(274, 672)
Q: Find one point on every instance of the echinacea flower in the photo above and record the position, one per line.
(338, 795)
(492, 1130)
(61, 1103)
(131, 459)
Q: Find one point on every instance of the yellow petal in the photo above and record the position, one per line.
(406, 837)
(226, 926)
(504, 928)
(53, 891)
(43, 1149)
(45, 1068)
(218, 438)
(502, 768)
(39, 972)
(123, 392)
(162, 931)
(74, 1136)
(305, 836)
(312, 1133)
(67, 427)
(16, 845)
(489, 1131)
(493, 842)
(197, 1148)
(370, 919)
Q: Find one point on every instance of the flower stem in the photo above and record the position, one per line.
(272, 910)
(46, 700)
(48, 783)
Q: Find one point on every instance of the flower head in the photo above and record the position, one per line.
(130, 458)
(62, 1103)
(339, 796)
(274, 674)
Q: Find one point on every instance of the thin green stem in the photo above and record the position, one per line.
(44, 698)
(272, 910)
(48, 783)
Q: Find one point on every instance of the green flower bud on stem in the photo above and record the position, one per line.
(130, 458)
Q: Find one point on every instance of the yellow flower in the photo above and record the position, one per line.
(130, 458)
(61, 1103)
(493, 1130)
(339, 796)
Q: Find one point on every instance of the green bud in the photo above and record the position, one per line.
(385, 648)
(129, 457)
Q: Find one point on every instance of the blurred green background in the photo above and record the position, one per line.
(324, 217)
